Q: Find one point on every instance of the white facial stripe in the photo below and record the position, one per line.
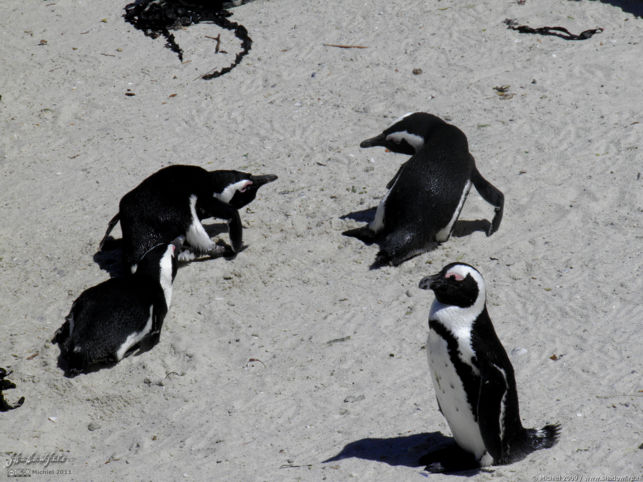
(444, 233)
(415, 141)
(166, 274)
(403, 117)
(134, 338)
(229, 192)
(196, 235)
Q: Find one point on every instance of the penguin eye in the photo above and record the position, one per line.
(245, 186)
(454, 276)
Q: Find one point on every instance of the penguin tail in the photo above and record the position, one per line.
(492, 195)
(110, 226)
(543, 438)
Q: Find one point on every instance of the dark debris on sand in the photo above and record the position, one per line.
(156, 18)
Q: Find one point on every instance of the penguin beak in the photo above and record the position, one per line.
(374, 141)
(431, 282)
(259, 181)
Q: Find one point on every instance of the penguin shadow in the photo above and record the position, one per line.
(408, 451)
(143, 346)
(461, 229)
(110, 257)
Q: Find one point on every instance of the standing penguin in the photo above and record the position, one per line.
(173, 201)
(427, 193)
(110, 319)
(473, 378)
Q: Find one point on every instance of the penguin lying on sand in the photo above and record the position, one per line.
(473, 378)
(109, 320)
(173, 201)
(427, 193)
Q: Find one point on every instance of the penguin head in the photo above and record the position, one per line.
(458, 284)
(407, 134)
(237, 188)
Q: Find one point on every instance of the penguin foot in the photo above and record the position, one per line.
(219, 250)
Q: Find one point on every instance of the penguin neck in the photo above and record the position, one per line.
(459, 320)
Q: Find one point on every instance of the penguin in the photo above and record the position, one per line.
(109, 320)
(173, 201)
(426, 195)
(473, 378)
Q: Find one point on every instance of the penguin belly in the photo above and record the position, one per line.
(452, 398)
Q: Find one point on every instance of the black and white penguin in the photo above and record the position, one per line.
(427, 193)
(109, 320)
(473, 378)
(173, 201)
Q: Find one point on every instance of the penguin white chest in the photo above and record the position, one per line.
(451, 395)
(196, 235)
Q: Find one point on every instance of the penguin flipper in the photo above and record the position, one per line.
(215, 208)
(493, 387)
(492, 195)
(397, 174)
(110, 226)
(364, 234)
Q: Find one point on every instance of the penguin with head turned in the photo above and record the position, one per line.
(427, 193)
(109, 320)
(473, 378)
(173, 201)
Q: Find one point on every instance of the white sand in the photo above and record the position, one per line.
(564, 270)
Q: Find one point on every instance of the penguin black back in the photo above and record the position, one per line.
(110, 319)
(473, 377)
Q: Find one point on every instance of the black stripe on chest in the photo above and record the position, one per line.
(470, 380)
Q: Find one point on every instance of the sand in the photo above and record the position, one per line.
(295, 352)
